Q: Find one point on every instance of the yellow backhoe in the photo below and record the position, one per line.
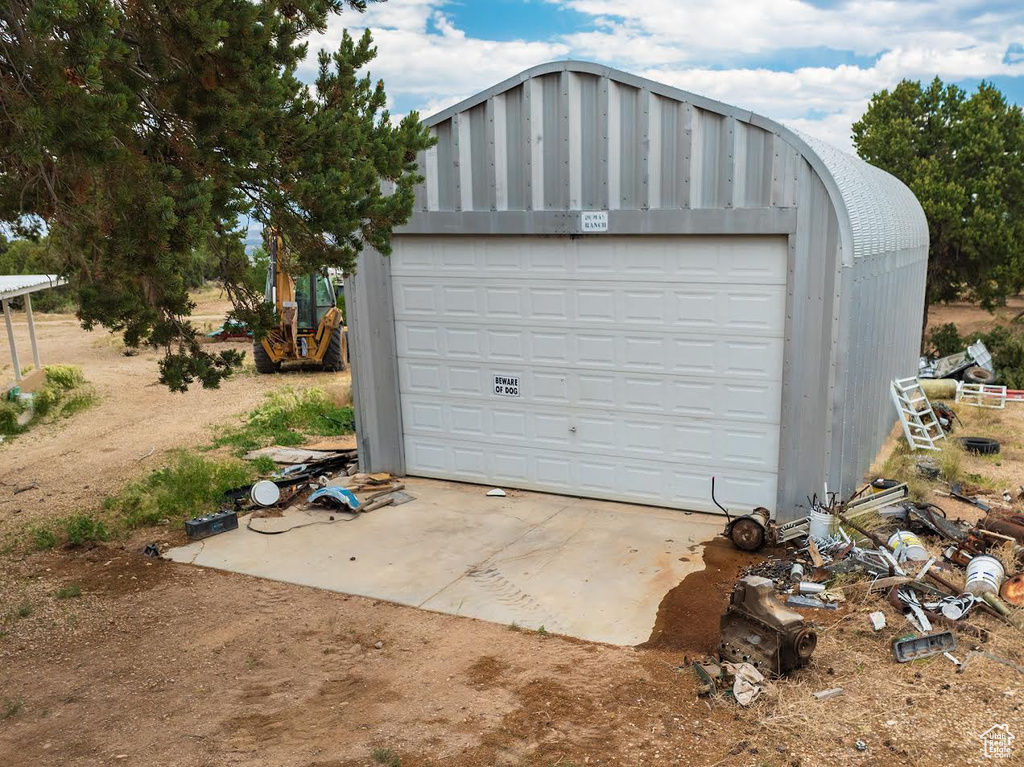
(310, 327)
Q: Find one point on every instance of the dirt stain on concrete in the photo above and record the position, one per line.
(688, 615)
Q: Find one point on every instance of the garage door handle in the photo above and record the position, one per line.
(572, 429)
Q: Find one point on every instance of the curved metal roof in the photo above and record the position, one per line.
(733, 157)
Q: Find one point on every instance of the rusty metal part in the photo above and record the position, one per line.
(1012, 590)
(756, 629)
(749, 532)
(1005, 524)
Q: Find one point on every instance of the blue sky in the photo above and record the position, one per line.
(812, 64)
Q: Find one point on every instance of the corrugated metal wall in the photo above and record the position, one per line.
(571, 136)
(580, 141)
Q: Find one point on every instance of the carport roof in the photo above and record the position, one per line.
(13, 285)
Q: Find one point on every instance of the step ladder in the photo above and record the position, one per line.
(980, 395)
(920, 426)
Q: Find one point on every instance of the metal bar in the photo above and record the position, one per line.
(32, 331)
(10, 340)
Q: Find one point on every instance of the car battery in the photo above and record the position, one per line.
(211, 524)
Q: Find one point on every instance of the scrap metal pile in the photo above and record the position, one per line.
(309, 479)
(884, 538)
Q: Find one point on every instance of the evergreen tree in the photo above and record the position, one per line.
(963, 156)
(134, 134)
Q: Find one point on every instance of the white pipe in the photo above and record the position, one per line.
(32, 331)
(10, 339)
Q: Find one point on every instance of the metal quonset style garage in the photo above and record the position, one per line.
(615, 289)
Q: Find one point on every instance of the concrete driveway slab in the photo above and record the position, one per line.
(589, 569)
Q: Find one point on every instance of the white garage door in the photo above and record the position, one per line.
(626, 368)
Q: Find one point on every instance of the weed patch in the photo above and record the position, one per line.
(43, 537)
(12, 707)
(24, 610)
(71, 591)
(386, 757)
(190, 486)
(288, 417)
(82, 529)
(64, 394)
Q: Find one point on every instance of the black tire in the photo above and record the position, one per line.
(978, 375)
(979, 445)
(263, 362)
(334, 358)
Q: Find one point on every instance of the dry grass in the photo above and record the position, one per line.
(339, 393)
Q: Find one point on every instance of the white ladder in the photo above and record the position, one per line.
(920, 425)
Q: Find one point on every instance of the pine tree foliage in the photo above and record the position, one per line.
(963, 156)
(134, 132)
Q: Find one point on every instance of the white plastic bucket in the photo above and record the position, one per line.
(908, 547)
(822, 524)
(984, 575)
(265, 493)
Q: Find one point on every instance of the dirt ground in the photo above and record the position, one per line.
(75, 463)
(163, 664)
(972, 319)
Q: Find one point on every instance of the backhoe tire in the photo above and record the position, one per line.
(263, 362)
(334, 358)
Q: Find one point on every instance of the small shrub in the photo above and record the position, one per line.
(43, 538)
(945, 340)
(71, 591)
(63, 394)
(82, 529)
(12, 707)
(951, 461)
(386, 757)
(264, 465)
(65, 377)
(77, 403)
(24, 610)
(9, 413)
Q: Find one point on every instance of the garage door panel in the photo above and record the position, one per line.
(642, 366)
(622, 349)
(754, 261)
(459, 302)
(692, 397)
(661, 484)
(708, 442)
(735, 309)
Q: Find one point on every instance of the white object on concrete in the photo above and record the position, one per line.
(265, 493)
(496, 493)
(877, 620)
(595, 570)
(984, 575)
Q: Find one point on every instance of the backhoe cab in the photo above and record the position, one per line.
(309, 328)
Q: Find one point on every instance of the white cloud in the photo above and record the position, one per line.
(422, 55)
(704, 46)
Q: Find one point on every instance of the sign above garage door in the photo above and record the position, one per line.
(627, 369)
